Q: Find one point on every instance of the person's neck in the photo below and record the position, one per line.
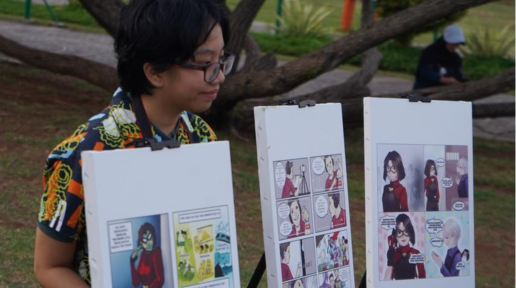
(160, 115)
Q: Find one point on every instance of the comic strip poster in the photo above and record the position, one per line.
(419, 185)
(149, 233)
(305, 207)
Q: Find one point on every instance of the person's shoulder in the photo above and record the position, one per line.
(199, 129)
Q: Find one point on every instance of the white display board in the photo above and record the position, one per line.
(166, 216)
(419, 193)
(304, 196)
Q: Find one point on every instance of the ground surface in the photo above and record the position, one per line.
(38, 109)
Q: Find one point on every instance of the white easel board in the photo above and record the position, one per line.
(419, 193)
(304, 196)
(174, 207)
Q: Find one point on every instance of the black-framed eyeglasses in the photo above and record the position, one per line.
(391, 169)
(211, 70)
(400, 233)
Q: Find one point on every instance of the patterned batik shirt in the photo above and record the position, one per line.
(61, 214)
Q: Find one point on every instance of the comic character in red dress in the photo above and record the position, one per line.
(400, 251)
(289, 189)
(150, 267)
(338, 215)
(285, 259)
(431, 186)
(394, 197)
(333, 181)
(300, 220)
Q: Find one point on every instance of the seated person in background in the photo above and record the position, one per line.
(439, 63)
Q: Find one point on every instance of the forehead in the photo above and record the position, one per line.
(213, 45)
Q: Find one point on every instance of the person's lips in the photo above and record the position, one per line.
(212, 94)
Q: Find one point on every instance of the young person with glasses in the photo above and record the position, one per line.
(171, 63)
(394, 197)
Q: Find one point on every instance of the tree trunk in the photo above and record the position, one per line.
(105, 12)
(493, 110)
(292, 74)
(96, 73)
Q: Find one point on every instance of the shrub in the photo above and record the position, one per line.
(486, 42)
(301, 20)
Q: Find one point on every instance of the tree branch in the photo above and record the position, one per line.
(96, 73)
(292, 74)
(493, 110)
(105, 12)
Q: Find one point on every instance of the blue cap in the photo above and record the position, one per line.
(453, 35)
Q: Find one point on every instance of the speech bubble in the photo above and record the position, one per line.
(460, 265)
(440, 162)
(437, 242)
(318, 166)
(121, 237)
(417, 258)
(388, 222)
(280, 174)
(344, 274)
(199, 216)
(283, 210)
(458, 205)
(434, 226)
(285, 228)
(447, 182)
(321, 206)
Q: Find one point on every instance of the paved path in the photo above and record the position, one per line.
(99, 47)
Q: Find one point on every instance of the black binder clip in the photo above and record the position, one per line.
(417, 98)
(154, 145)
(295, 101)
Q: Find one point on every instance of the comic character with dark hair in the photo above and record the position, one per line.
(299, 218)
(400, 251)
(289, 189)
(326, 280)
(171, 64)
(338, 215)
(431, 186)
(334, 177)
(149, 272)
(394, 197)
(462, 178)
(297, 284)
(285, 259)
(451, 233)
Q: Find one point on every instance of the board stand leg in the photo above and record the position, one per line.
(363, 282)
(258, 273)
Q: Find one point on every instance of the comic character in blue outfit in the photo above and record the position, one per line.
(462, 178)
(439, 63)
(452, 232)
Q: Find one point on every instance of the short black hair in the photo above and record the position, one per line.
(403, 218)
(283, 248)
(162, 33)
(332, 163)
(395, 158)
(336, 199)
(429, 164)
(288, 167)
(290, 202)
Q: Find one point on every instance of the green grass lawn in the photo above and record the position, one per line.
(41, 108)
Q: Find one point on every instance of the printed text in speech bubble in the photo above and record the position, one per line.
(437, 242)
(280, 174)
(447, 182)
(283, 211)
(318, 166)
(417, 258)
(321, 206)
(458, 206)
(440, 162)
(199, 216)
(344, 274)
(460, 265)
(434, 226)
(285, 228)
(121, 237)
(388, 222)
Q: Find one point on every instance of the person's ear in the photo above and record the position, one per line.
(154, 77)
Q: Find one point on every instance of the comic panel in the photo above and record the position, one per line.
(338, 278)
(400, 178)
(332, 250)
(434, 173)
(456, 181)
(307, 282)
(401, 246)
(327, 173)
(447, 242)
(140, 252)
(203, 247)
(297, 259)
(291, 178)
(294, 217)
(329, 212)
